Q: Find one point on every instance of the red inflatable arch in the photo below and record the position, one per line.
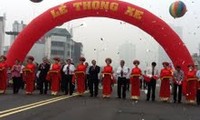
(115, 9)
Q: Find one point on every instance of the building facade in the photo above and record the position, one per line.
(38, 50)
(196, 58)
(17, 27)
(2, 33)
(129, 56)
(59, 44)
(78, 48)
(199, 49)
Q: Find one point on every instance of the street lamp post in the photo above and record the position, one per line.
(72, 35)
(72, 28)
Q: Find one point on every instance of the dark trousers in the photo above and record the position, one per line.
(16, 84)
(198, 97)
(93, 86)
(128, 84)
(22, 82)
(151, 89)
(179, 88)
(87, 81)
(121, 84)
(68, 86)
(143, 84)
(43, 85)
(62, 86)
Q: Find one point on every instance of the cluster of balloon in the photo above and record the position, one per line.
(177, 9)
(36, 1)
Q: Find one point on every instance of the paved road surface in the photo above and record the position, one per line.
(87, 108)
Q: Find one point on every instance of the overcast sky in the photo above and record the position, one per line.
(112, 31)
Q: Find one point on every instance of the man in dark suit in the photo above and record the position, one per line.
(43, 70)
(93, 79)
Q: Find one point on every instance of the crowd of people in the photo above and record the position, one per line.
(66, 77)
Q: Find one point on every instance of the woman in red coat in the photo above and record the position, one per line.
(107, 78)
(29, 75)
(165, 76)
(191, 86)
(3, 74)
(80, 76)
(54, 76)
(135, 80)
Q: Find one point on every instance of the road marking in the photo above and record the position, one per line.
(9, 110)
(33, 105)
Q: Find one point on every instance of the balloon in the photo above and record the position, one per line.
(115, 9)
(177, 9)
(36, 1)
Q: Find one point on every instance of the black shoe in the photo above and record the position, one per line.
(91, 95)
(174, 101)
(147, 99)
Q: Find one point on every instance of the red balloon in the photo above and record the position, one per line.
(36, 1)
(115, 9)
